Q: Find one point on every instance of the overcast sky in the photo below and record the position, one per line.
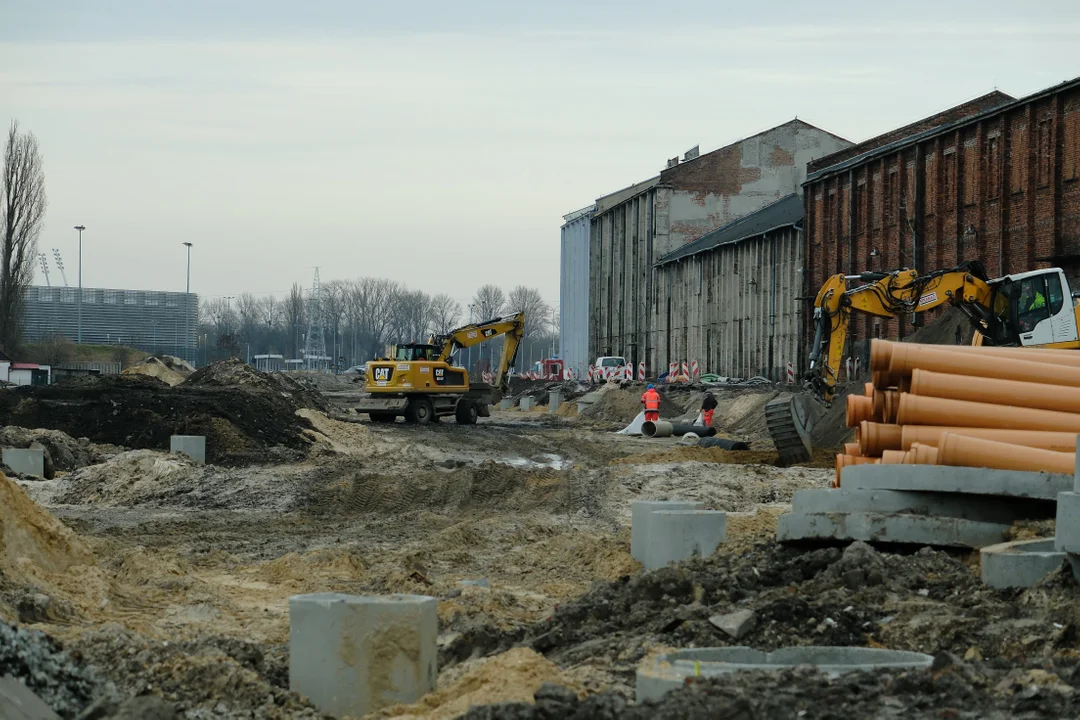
(439, 143)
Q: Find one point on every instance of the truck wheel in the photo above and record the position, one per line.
(465, 413)
(419, 411)
(382, 417)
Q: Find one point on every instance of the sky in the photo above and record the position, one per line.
(439, 144)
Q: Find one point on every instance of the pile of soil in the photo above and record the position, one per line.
(928, 602)
(170, 370)
(29, 533)
(615, 404)
(242, 412)
(952, 688)
(63, 451)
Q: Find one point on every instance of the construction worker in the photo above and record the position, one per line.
(1030, 301)
(651, 400)
(708, 407)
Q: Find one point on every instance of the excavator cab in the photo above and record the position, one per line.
(1041, 311)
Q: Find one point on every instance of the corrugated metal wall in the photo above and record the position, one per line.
(574, 292)
(734, 309)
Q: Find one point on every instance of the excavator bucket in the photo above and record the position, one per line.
(790, 419)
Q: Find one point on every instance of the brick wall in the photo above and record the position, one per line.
(1003, 189)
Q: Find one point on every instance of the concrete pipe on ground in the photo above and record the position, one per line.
(918, 410)
(1000, 392)
(906, 359)
(656, 429)
(664, 428)
(976, 452)
(929, 435)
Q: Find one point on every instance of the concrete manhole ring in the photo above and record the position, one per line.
(662, 673)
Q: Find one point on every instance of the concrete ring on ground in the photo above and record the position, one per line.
(1019, 564)
(662, 673)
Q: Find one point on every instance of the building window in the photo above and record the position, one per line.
(89, 297)
(67, 295)
(170, 300)
(930, 185)
(1045, 150)
(45, 295)
(891, 201)
(948, 179)
(131, 297)
(993, 167)
(1018, 159)
(1072, 146)
(971, 175)
(151, 298)
(110, 297)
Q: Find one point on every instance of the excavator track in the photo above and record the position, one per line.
(789, 422)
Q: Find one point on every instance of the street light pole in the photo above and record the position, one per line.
(468, 368)
(187, 309)
(80, 228)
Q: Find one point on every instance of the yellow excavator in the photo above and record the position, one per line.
(1031, 309)
(418, 382)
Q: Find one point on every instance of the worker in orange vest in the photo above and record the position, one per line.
(651, 400)
(708, 407)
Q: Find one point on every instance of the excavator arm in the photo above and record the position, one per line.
(902, 292)
(513, 326)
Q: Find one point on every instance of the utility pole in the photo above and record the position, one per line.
(468, 367)
(80, 228)
(187, 308)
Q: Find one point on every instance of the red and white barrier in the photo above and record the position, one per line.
(672, 372)
(848, 367)
(685, 370)
(790, 374)
(641, 371)
(695, 371)
(858, 362)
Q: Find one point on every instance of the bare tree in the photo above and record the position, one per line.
(22, 209)
(270, 313)
(220, 316)
(53, 350)
(293, 314)
(335, 301)
(488, 303)
(537, 312)
(374, 300)
(249, 314)
(445, 313)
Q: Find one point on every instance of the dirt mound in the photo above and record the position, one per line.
(166, 368)
(615, 404)
(30, 534)
(952, 688)
(514, 676)
(743, 412)
(242, 412)
(65, 452)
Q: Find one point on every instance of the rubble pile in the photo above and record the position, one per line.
(166, 368)
(242, 412)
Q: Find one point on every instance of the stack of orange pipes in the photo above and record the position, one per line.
(991, 407)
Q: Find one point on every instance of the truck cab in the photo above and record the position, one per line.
(1042, 309)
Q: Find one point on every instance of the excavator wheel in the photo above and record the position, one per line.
(465, 413)
(789, 421)
(420, 411)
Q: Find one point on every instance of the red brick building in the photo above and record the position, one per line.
(996, 179)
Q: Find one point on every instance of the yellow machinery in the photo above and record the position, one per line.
(1032, 309)
(419, 382)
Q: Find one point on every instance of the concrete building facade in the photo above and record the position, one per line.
(157, 322)
(730, 299)
(633, 228)
(996, 180)
(574, 291)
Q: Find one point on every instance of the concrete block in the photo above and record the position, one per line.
(889, 528)
(942, 479)
(18, 702)
(527, 403)
(506, 404)
(1067, 527)
(661, 673)
(735, 624)
(1019, 564)
(676, 535)
(30, 461)
(194, 446)
(554, 400)
(641, 521)
(981, 508)
(352, 655)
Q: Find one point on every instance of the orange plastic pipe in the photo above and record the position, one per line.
(922, 455)
(992, 390)
(875, 438)
(976, 452)
(884, 380)
(918, 410)
(892, 398)
(868, 389)
(880, 352)
(908, 358)
(852, 448)
(879, 404)
(929, 435)
(892, 457)
(859, 408)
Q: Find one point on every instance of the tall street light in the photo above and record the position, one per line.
(80, 228)
(187, 308)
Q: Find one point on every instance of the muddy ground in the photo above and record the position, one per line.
(169, 580)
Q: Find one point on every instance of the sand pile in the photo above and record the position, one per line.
(513, 676)
(166, 368)
(32, 538)
(614, 404)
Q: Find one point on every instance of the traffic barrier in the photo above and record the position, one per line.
(672, 372)
(641, 371)
(695, 372)
(791, 373)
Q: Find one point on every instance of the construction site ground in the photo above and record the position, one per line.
(161, 577)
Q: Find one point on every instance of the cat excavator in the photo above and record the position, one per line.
(1031, 309)
(418, 381)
